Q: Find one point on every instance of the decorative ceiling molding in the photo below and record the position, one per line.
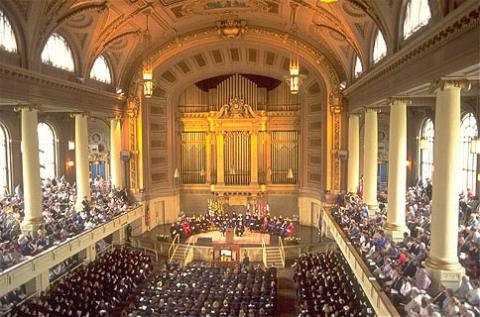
(254, 31)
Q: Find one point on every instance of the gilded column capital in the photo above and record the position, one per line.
(451, 82)
(336, 109)
(29, 107)
(399, 99)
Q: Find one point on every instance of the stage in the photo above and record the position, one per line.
(248, 238)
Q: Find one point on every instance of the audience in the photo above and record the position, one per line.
(61, 219)
(101, 288)
(199, 290)
(399, 266)
(326, 287)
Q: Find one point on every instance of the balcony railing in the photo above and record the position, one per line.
(23, 272)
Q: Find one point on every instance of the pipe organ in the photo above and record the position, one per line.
(239, 145)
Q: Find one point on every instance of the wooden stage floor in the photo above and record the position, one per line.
(248, 238)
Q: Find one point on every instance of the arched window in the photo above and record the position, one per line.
(468, 155)
(379, 48)
(417, 14)
(46, 145)
(100, 70)
(7, 37)
(57, 53)
(358, 69)
(426, 149)
(4, 159)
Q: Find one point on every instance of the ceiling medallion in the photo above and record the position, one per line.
(219, 6)
(231, 28)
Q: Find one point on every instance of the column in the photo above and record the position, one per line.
(32, 192)
(208, 158)
(353, 153)
(82, 173)
(115, 148)
(397, 174)
(442, 261)
(254, 158)
(370, 160)
(220, 170)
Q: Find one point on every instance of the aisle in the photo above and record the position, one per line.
(287, 301)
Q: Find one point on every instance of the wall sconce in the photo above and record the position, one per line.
(71, 145)
(176, 173)
(290, 173)
(408, 163)
(70, 163)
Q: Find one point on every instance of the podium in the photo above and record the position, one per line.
(229, 235)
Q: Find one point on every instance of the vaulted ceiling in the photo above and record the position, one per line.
(325, 34)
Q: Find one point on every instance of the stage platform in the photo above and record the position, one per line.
(216, 237)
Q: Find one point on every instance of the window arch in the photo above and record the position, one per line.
(358, 68)
(427, 134)
(101, 71)
(8, 42)
(417, 14)
(46, 146)
(468, 155)
(57, 52)
(4, 160)
(379, 48)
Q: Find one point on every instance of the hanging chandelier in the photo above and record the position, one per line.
(147, 72)
(294, 78)
(294, 69)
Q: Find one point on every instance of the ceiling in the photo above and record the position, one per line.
(327, 36)
(335, 31)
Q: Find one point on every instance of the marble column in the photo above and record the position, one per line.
(442, 261)
(32, 191)
(353, 152)
(370, 160)
(115, 149)
(397, 171)
(82, 173)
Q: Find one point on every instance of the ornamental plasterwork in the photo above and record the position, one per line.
(202, 35)
(219, 6)
(231, 28)
(446, 83)
(236, 108)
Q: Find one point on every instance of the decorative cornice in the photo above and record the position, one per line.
(461, 24)
(451, 82)
(9, 72)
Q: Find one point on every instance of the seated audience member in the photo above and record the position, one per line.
(100, 288)
(325, 287)
(60, 219)
(201, 290)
